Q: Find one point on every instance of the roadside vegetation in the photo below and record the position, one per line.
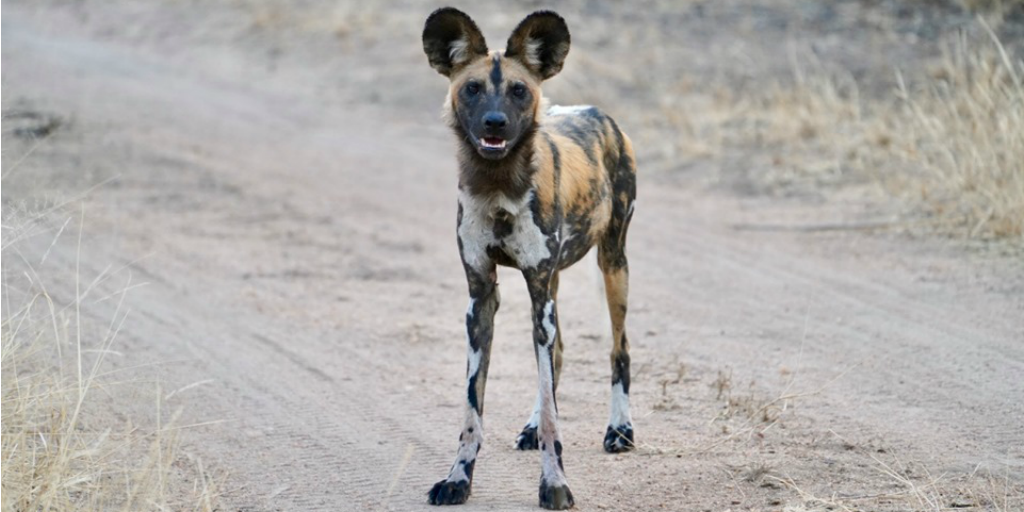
(65, 446)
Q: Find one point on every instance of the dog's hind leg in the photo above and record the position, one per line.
(527, 439)
(619, 436)
(611, 257)
(483, 304)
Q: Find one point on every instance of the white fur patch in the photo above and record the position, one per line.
(549, 469)
(474, 231)
(532, 51)
(567, 110)
(526, 244)
(469, 445)
(549, 326)
(620, 407)
(547, 431)
(458, 51)
(535, 415)
(548, 416)
(474, 362)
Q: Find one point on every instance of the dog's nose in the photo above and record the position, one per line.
(495, 120)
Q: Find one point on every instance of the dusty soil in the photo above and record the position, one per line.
(275, 187)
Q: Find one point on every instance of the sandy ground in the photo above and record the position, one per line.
(286, 225)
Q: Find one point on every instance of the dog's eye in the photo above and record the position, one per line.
(472, 88)
(519, 91)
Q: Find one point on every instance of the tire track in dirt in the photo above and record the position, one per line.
(319, 442)
(884, 330)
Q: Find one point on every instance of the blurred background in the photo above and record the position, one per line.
(231, 281)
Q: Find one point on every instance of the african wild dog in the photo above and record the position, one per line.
(538, 188)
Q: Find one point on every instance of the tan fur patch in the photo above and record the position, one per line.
(544, 179)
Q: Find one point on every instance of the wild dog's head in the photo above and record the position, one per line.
(495, 97)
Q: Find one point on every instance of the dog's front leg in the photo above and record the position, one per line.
(483, 303)
(554, 490)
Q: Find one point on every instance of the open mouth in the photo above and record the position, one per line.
(495, 143)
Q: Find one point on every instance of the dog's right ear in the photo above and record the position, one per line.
(451, 40)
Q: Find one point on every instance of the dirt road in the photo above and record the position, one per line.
(303, 293)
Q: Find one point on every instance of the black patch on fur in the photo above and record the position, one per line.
(468, 465)
(622, 172)
(502, 227)
(527, 439)
(472, 393)
(620, 367)
(558, 453)
(498, 255)
(573, 249)
(496, 77)
(480, 330)
(555, 498)
(449, 493)
(583, 130)
(618, 439)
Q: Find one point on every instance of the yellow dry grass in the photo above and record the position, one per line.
(913, 487)
(966, 124)
(59, 448)
(948, 143)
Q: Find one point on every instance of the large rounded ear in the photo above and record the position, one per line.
(541, 42)
(451, 39)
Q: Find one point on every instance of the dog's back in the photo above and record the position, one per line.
(597, 182)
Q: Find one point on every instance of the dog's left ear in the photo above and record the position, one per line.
(541, 42)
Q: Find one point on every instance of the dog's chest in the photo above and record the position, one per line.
(497, 229)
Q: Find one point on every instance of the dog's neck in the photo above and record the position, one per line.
(510, 176)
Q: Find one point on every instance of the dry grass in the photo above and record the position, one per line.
(61, 448)
(995, 10)
(909, 485)
(967, 126)
(949, 143)
(912, 487)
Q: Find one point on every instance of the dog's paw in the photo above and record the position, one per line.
(555, 497)
(449, 493)
(618, 439)
(527, 439)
